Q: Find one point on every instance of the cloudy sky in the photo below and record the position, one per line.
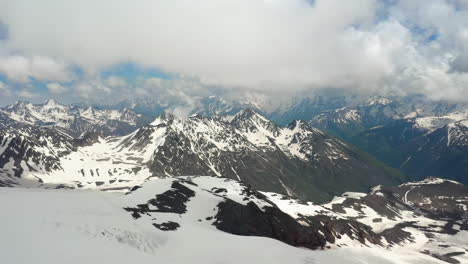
(107, 50)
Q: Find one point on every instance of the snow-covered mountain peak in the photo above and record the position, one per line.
(247, 113)
(299, 125)
(378, 100)
(431, 123)
(20, 104)
(457, 133)
(89, 111)
(250, 121)
(51, 103)
(164, 118)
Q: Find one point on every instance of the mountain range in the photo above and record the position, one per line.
(422, 140)
(125, 186)
(74, 119)
(391, 128)
(297, 159)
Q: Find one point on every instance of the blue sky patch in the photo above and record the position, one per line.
(3, 31)
(131, 71)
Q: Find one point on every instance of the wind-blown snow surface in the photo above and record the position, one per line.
(82, 226)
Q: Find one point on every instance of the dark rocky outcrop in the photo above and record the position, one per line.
(249, 220)
(171, 201)
(167, 226)
(270, 221)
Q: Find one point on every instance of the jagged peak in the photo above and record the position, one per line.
(249, 114)
(378, 100)
(298, 124)
(90, 109)
(20, 103)
(51, 102)
(167, 116)
(164, 117)
(249, 120)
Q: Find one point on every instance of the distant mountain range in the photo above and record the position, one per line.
(74, 119)
(422, 138)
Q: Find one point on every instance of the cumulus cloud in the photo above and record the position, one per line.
(92, 89)
(254, 46)
(21, 68)
(55, 88)
(116, 81)
(27, 94)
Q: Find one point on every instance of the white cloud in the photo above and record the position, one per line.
(269, 46)
(21, 68)
(55, 88)
(116, 81)
(27, 94)
(93, 90)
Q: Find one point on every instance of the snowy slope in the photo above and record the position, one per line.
(78, 226)
(431, 123)
(428, 216)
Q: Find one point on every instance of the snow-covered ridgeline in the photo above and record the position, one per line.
(73, 118)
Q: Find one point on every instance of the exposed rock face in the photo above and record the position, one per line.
(167, 226)
(250, 220)
(171, 201)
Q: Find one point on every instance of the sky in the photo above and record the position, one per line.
(109, 50)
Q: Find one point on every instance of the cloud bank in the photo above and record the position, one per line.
(262, 46)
